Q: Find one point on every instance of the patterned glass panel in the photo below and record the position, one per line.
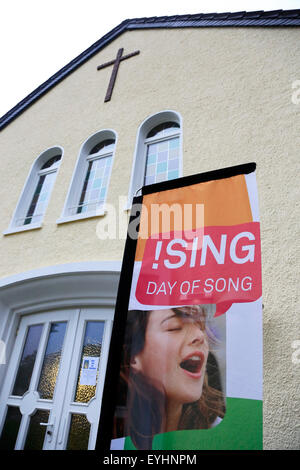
(40, 198)
(79, 433)
(11, 428)
(36, 432)
(52, 360)
(95, 185)
(27, 360)
(89, 364)
(162, 161)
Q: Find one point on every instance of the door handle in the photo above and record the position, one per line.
(49, 432)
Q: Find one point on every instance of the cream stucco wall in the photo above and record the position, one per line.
(232, 88)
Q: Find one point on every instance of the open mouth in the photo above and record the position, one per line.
(192, 364)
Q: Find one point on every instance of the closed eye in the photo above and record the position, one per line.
(172, 323)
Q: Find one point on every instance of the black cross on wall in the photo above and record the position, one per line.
(115, 63)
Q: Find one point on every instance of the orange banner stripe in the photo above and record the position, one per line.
(225, 201)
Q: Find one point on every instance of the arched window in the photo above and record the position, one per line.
(162, 154)
(38, 204)
(158, 151)
(96, 179)
(90, 180)
(36, 194)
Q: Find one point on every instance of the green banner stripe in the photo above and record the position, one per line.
(241, 429)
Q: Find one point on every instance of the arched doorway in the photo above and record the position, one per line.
(52, 388)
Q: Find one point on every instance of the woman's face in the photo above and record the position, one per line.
(174, 356)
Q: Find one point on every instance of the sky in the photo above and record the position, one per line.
(39, 37)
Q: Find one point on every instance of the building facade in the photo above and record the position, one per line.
(197, 93)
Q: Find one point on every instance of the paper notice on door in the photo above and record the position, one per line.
(89, 369)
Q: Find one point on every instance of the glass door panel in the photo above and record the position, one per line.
(79, 433)
(27, 360)
(51, 397)
(51, 362)
(41, 351)
(11, 428)
(84, 391)
(89, 362)
(36, 433)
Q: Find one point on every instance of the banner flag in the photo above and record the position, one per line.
(185, 364)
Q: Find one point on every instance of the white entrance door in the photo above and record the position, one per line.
(51, 396)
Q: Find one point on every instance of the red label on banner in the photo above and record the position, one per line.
(219, 265)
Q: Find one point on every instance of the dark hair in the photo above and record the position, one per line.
(141, 411)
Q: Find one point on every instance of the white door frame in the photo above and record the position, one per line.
(91, 409)
(31, 401)
(75, 285)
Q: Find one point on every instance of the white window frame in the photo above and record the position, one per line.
(79, 174)
(142, 142)
(29, 189)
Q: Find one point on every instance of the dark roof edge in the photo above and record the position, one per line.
(204, 23)
(237, 19)
(61, 74)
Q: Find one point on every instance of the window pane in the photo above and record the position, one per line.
(27, 360)
(89, 364)
(51, 360)
(39, 201)
(106, 145)
(174, 143)
(30, 212)
(95, 185)
(11, 428)
(172, 175)
(173, 164)
(162, 146)
(162, 162)
(163, 130)
(36, 432)
(51, 162)
(150, 180)
(79, 433)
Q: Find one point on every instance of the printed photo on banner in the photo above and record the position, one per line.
(190, 375)
(172, 373)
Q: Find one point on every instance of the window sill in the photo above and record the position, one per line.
(128, 206)
(74, 218)
(24, 228)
